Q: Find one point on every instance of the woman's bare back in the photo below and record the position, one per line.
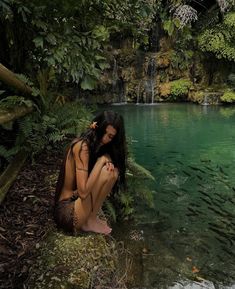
(70, 185)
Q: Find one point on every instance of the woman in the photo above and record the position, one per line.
(92, 165)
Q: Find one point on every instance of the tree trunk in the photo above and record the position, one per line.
(9, 115)
(11, 79)
(11, 172)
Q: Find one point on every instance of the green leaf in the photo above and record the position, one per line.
(88, 83)
(38, 41)
(103, 65)
(51, 39)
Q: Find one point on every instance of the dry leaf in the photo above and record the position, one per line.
(195, 269)
(189, 259)
(199, 279)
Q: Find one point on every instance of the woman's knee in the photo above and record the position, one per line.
(108, 175)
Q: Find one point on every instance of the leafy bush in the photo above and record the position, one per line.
(220, 39)
(181, 59)
(179, 88)
(41, 130)
(13, 101)
(231, 79)
(228, 96)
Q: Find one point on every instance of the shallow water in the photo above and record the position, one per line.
(188, 239)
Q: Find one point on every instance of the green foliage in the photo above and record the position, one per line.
(181, 59)
(37, 132)
(8, 153)
(49, 124)
(171, 26)
(228, 96)
(72, 39)
(179, 88)
(14, 101)
(231, 79)
(122, 204)
(219, 40)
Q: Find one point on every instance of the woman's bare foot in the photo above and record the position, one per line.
(93, 225)
(101, 221)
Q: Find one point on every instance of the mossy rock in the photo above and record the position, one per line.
(196, 96)
(174, 90)
(163, 60)
(228, 96)
(165, 89)
(73, 262)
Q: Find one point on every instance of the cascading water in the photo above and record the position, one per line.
(205, 100)
(138, 92)
(150, 83)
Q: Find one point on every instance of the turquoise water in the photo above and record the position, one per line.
(188, 239)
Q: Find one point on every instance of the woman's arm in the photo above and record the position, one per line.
(85, 183)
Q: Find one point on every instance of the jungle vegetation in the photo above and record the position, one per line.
(53, 45)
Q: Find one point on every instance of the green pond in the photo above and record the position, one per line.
(188, 239)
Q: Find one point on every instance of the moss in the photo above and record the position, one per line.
(165, 89)
(228, 96)
(163, 60)
(196, 96)
(175, 90)
(180, 88)
(74, 262)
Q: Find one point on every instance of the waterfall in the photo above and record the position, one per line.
(138, 92)
(205, 100)
(151, 73)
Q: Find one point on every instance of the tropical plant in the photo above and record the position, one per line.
(179, 88)
(38, 131)
(228, 96)
(219, 39)
(71, 41)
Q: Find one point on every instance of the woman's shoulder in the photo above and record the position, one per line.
(79, 144)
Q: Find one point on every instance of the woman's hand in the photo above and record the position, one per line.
(106, 161)
(109, 166)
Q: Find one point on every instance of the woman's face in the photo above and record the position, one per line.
(109, 134)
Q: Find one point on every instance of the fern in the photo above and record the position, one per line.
(8, 153)
(15, 100)
(110, 210)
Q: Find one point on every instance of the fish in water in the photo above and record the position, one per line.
(186, 173)
(221, 241)
(221, 197)
(200, 178)
(205, 200)
(222, 171)
(194, 205)
(220, 233)
(210, 169)
(197, 169)
(217, 212)
(205, 194)
(193, 211)
(205, 161)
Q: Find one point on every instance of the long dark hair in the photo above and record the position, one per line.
(116, 148)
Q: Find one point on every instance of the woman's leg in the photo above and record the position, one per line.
(105, 190)
(83, 216)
